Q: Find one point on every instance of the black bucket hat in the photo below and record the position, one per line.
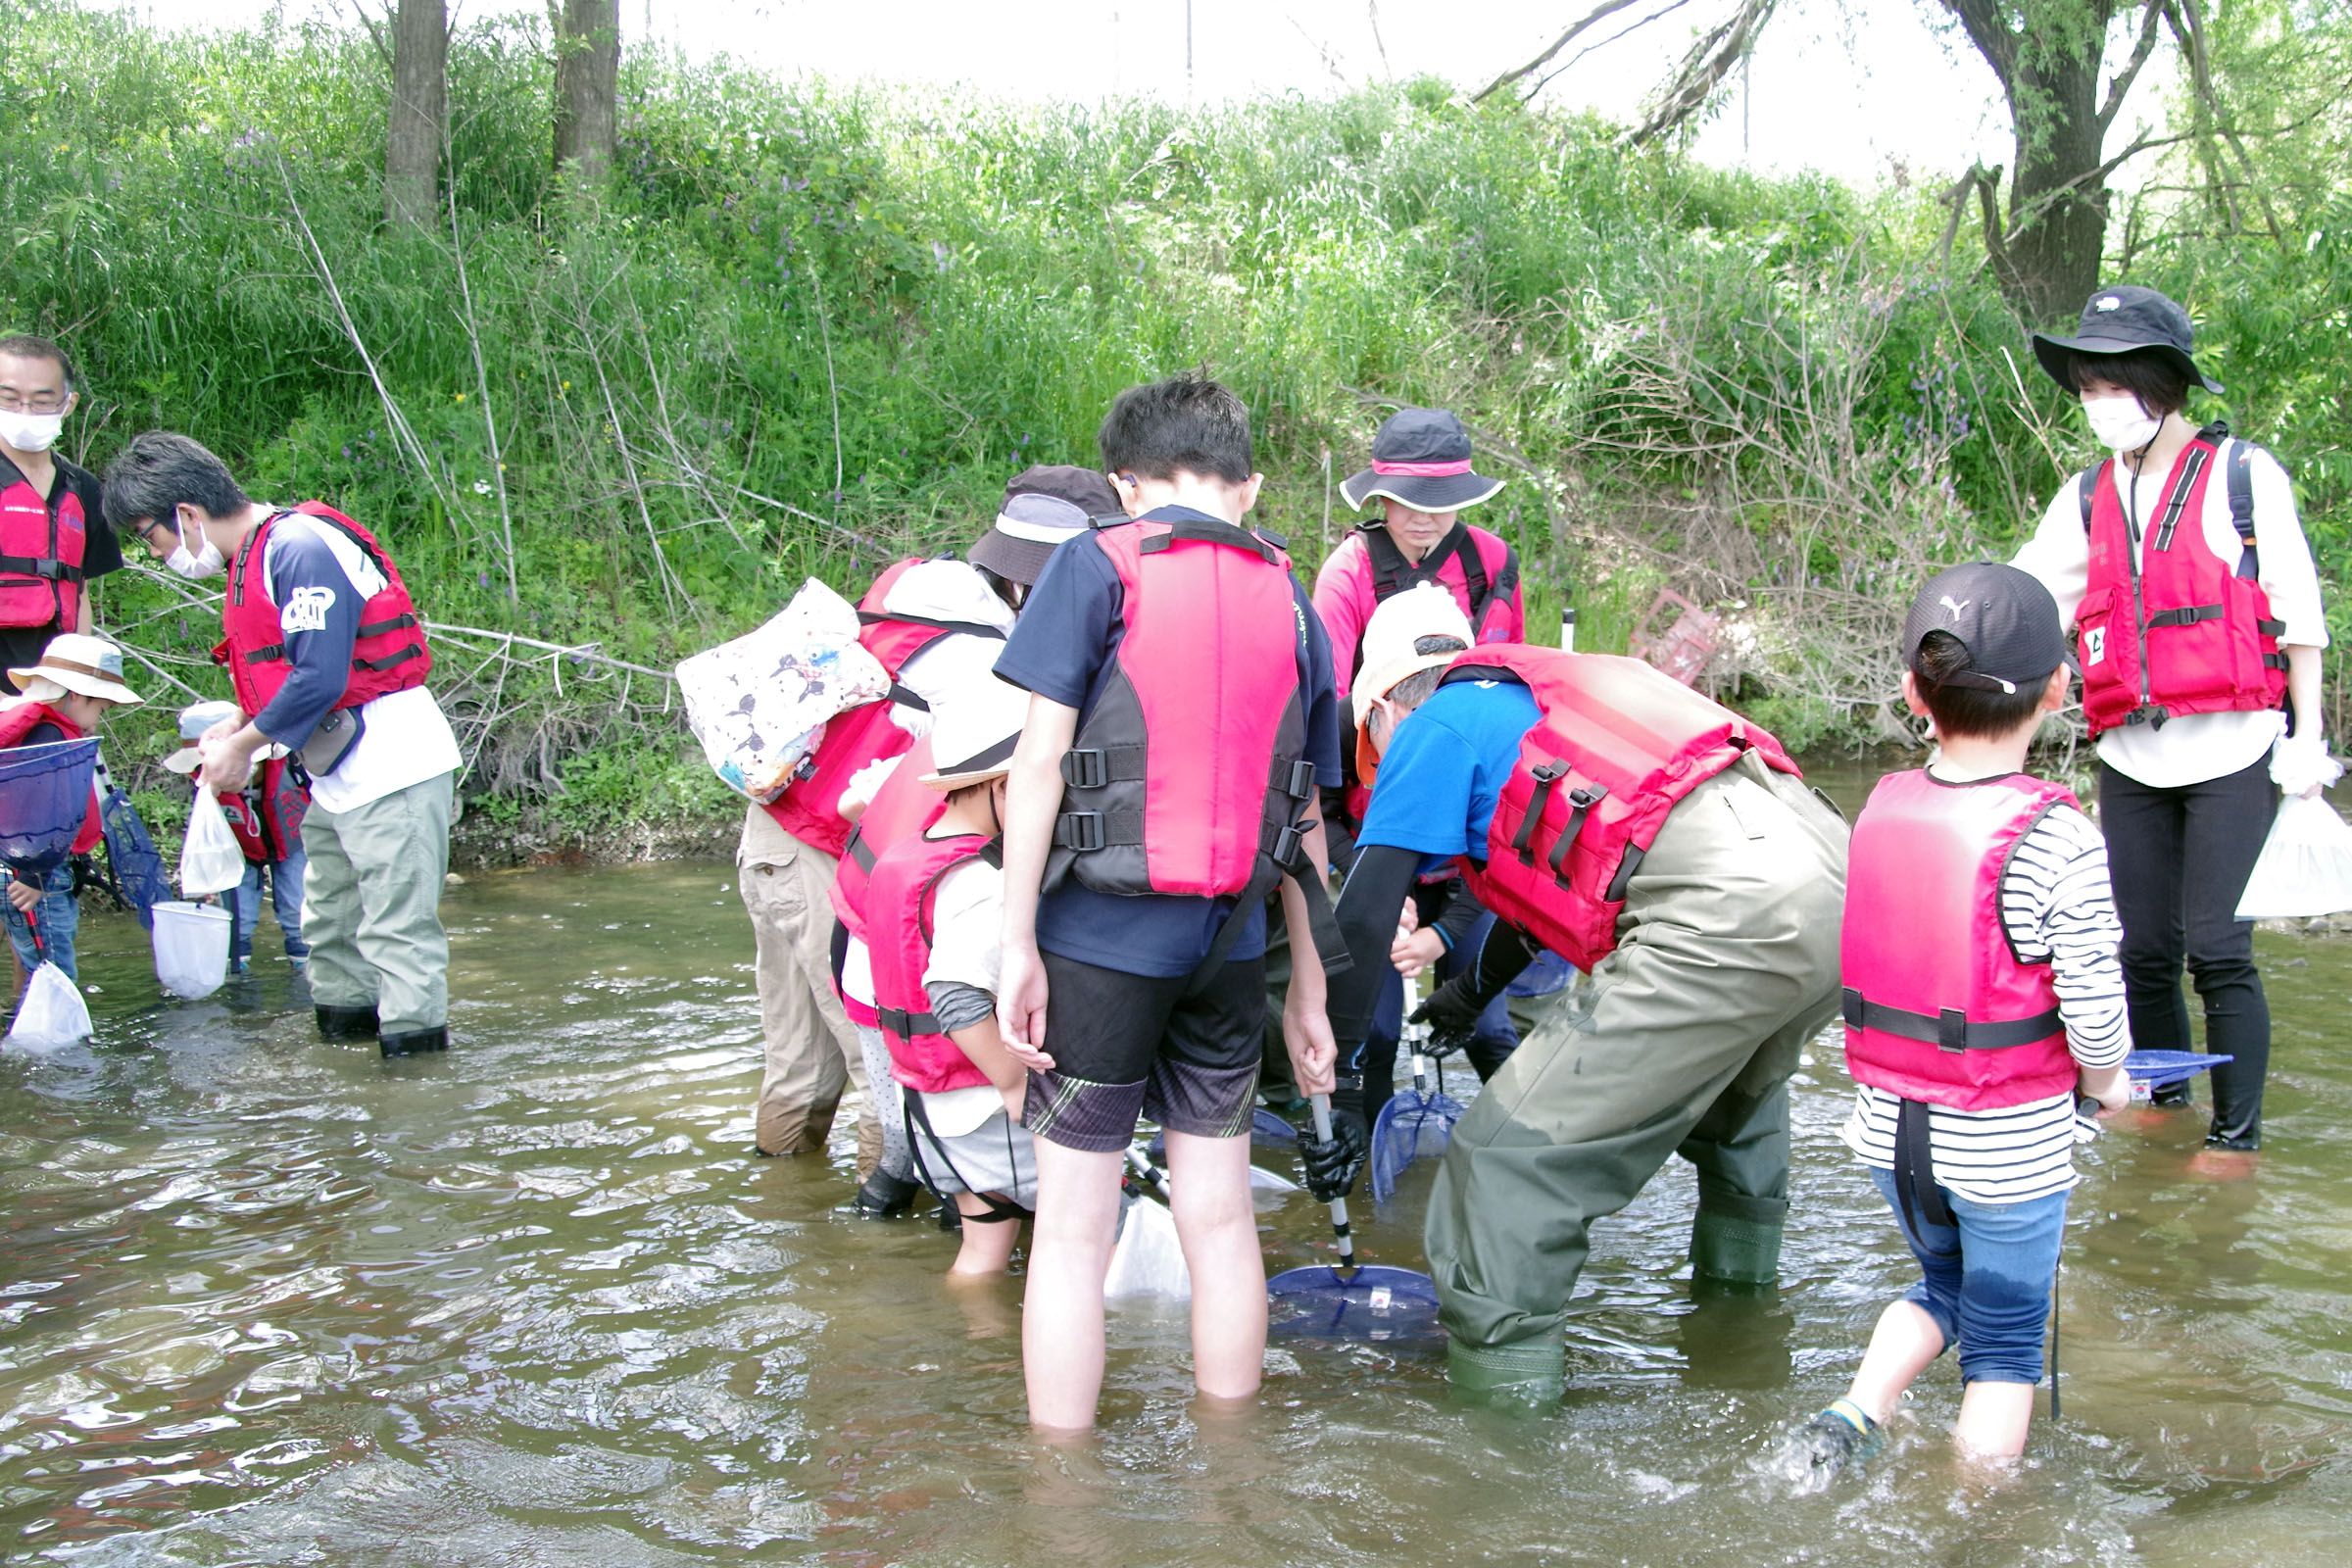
(1421, 457)
(2124, 320)
(1044, 505)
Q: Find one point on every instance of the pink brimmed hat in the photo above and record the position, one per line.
(1421, 457)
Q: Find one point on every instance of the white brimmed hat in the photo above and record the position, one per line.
(89, 665)
(973, 732)
(194, 720)
(1390, 637)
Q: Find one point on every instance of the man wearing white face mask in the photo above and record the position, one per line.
(328, 657)
(53, 540)
(2184, 570)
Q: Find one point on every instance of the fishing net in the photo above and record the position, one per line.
(1148, 1260)
(1373, 1301)
(51, 1015)
(1266, 1131)
(1416, 1122)
(2161, 1068)
(134, 867)
(44, 798)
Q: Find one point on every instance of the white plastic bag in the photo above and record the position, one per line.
(52, 1015)
(2306, 865)
(211, 859)
(759, 703)
(191, 948)
(1148, 1260)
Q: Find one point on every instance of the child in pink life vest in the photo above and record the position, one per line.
(937, 903)
(1982, 995)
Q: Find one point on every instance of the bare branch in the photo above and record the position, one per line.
(1703, 68)
(2122, 84)
(1599, 13)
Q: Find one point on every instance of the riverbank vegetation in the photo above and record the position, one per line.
(800, 328)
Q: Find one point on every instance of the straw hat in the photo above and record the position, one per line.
(974, 731)
(89, 665)
(1402, 621)
(194, 720)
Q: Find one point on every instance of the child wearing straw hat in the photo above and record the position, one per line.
(935, 922)
(66, 696)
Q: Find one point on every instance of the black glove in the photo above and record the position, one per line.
(1451, 1017)
(1332, 1162)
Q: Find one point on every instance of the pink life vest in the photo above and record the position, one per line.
(41, 552)
(904, 806)
(1617, 746)
(390, 653)
(19, 719)
(1189, 776)
(1939, 1008)
(2170, 629)
(809, 809)
(903, 895)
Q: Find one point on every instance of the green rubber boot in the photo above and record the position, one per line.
(1530, 1372)
(1740, 1251)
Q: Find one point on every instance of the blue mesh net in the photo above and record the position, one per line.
(44, 798)
(1416, 1122)
(1323, 1301)
(139, 880)
(2162, 1067)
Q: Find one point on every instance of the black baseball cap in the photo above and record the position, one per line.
(2005, 618)
(2124, 320)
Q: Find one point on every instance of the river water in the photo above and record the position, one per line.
(270, 1300)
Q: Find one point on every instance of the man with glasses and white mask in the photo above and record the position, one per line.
(53, 537)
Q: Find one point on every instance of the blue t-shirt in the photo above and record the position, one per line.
(1445, 768)
(1063, 650)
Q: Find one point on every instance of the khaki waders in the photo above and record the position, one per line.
(810, 1052)
(371, 906)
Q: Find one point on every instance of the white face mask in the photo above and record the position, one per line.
(2119, 423)
(205, 562)
(31, 432)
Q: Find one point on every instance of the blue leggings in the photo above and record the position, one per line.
(1988, 1279)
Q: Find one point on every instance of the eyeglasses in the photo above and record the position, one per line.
(149, 530)
(38, 403)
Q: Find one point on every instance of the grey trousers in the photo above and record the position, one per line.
(371, 906)
(1683, 1041)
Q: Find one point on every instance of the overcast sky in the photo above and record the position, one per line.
(1856, 88)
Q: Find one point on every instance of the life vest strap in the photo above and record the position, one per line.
(860, 850)
(412, 651)
(1211, 533)
(968, 628)
(2189, 615)
(40, 567)
(2179, 499)
(378, 628)
(902, 1026)
(1952, 1029)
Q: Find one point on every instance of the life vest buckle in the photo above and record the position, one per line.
(1085, 769)
(1302, 785)
(1951, 1030)
(1290, 847)
(1079, 831)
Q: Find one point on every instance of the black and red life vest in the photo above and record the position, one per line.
(809, 809)
(266, 814)
(1938, 1007)
(19, 719)
(904, 806)
(389, 653)
(1190, 774)
(40, 551)
(903, 895)
(2170, 629)
(1617, 746)
(1489, 569)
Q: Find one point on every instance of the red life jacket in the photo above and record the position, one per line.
(903, 807)
(1937, 1006)
(809, 809)
(2171, 629)
(1617, 746)
(1189, 776)
(266, 814)
(389, 654)
(19, 719)
(904, 892)
(40, 551)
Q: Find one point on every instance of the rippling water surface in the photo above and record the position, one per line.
(270, 1300)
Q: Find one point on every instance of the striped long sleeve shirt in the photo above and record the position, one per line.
(2055, 904)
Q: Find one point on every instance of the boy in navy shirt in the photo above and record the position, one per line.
(1135, 1000)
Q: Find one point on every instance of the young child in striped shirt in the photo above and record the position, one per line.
(1983, 994)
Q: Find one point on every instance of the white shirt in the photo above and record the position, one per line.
(2193, 747)
(404, 738)
(966, 927)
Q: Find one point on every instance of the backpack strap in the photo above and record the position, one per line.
(2087, 490)
(2237, 471)
(1391, 574)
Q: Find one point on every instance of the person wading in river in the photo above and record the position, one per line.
(328, 658)
(1608, 813)
(2182, 567)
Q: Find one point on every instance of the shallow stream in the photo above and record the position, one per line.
(265, 1299)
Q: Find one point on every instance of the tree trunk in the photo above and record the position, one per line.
(587, 85)
(2057, 198)
(419, 104)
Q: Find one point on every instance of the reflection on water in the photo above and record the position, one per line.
(270, 1300)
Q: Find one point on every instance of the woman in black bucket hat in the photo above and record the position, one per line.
(2184, 569)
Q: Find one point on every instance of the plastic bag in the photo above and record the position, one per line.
(191, 948)
(759, 704)
(210, 858)
(1148, 1260)
(2305, 867)
(52, 1015)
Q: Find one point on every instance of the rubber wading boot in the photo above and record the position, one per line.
(346, 1023)
(415, 1041)
(1728, 1246)
(1530, 1372)
(885, 1196)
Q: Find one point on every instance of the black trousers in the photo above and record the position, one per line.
(2178, 860)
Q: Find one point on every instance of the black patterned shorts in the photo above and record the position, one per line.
(1126, 1046)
